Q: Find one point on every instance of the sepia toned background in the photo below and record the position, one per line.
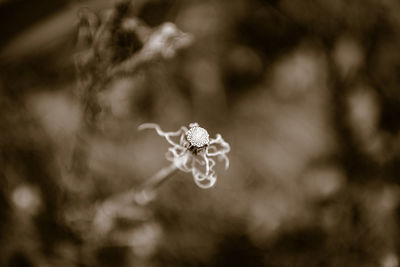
(305, 92)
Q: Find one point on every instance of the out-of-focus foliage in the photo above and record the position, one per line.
(306, 93)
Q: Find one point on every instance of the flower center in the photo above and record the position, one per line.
(197, 136)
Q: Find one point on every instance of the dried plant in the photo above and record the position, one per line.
(195, 151)
(111, 45)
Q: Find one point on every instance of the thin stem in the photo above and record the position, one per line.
(114, 206)
(160, 177)
(143, 196)
(148, 190)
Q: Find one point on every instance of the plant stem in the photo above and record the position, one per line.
(144, 195)
(147, 191)
(115, 205)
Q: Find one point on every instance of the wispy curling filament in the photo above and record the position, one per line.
(195, 151)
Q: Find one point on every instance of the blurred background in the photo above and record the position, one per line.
(305, 91)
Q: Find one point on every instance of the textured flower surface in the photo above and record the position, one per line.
(192, 150)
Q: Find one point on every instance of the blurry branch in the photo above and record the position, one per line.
(118, 45)
(161, 44)
(110, 45)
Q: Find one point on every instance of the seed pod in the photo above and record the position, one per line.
(197, 136)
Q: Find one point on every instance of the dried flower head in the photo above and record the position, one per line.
(197, 136)
(194, 151)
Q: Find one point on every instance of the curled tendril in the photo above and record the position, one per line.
(188, 157)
